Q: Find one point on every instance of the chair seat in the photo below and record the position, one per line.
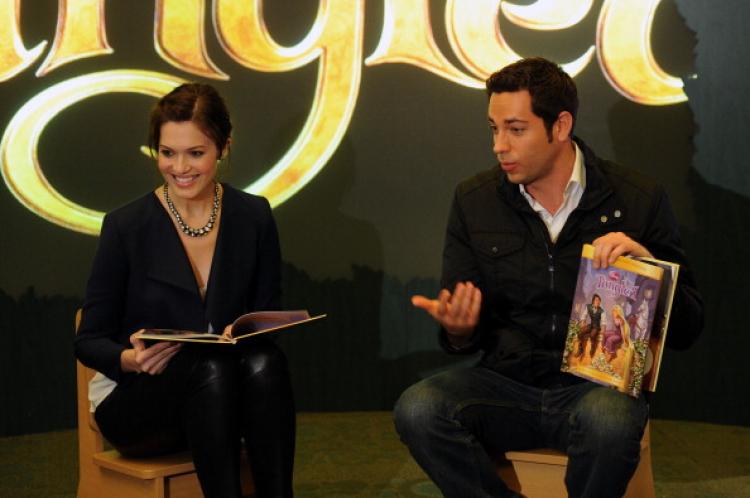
(540, 473)
(542, 456)
(146, 468)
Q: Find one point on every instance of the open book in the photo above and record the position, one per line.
(618, 323)
(248, 325)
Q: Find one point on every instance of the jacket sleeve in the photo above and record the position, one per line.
(265, 288)
(95, 344)
(662, 238)
(459, 265)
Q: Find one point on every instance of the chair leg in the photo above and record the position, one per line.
(642, 483)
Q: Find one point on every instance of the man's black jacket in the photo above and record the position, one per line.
(497, 241)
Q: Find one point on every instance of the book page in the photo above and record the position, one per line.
(663, 311)
(176, 335)
(248, 325)
(269, 321)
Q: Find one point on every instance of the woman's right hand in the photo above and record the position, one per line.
(152, 360)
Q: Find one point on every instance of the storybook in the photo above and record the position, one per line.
(248, 325)
(618, 323)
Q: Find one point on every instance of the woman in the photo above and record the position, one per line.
(615, 338)
(193, 254)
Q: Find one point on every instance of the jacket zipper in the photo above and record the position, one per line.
(550, 266)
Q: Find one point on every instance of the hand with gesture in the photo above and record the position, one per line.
(458, 313)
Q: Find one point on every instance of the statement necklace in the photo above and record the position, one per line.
(193, 232)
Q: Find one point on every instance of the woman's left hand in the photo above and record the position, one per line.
(227, 334)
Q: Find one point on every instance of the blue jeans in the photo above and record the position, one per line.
(452, 423)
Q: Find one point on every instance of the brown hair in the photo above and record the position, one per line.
(196, 102)
(552, 90)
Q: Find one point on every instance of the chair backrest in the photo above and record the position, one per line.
(90, 441)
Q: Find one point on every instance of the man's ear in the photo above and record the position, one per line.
(563, 126)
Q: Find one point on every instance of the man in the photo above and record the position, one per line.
(511, 256)
(591, 326)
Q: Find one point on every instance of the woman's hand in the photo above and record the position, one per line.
(152, 360)
(227, 334)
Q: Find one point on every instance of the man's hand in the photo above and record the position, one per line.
(458, 313)
(152, 360)
(609, 247)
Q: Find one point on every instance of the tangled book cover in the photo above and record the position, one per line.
(618, 322)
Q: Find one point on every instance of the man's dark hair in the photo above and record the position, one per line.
(552, 90)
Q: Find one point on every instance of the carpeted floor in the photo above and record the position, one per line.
(346, 455)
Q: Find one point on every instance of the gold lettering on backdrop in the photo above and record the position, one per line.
(407, 37)
(18, 158)
(547, 14)
(179, 37)
(14, 57)
(623, 41)
(80, 34)
(476, 39)
(336, 40)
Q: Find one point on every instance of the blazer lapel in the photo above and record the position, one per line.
(227, 257)
(169, 262)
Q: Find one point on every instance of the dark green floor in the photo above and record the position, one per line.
(358, 455)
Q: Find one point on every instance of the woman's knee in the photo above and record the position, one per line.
(262, 355)
(218, 369)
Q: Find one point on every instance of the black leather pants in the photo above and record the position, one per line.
(207, 399)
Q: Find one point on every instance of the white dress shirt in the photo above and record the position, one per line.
(571, 197)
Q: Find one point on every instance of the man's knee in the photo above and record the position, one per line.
(417, 409)
(610, 417)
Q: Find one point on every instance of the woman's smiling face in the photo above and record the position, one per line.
(187, 160)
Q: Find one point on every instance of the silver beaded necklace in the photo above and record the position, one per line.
(193, 232)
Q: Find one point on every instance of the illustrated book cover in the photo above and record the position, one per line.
(618, 322)
(248, 325)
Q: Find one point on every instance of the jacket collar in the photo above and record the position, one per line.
(598, 187)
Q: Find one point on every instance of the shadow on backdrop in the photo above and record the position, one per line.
(700, 383)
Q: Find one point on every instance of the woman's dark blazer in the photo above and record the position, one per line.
(141, 276)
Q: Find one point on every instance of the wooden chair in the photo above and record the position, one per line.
(107, 473)
(541, 473)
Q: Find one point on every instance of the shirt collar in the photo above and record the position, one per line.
(577, 177)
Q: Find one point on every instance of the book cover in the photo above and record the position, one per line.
(248, 325)
(611, 322)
